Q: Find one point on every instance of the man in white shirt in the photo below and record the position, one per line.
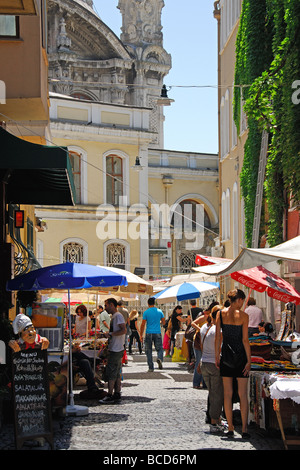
(255, 316)
(116, 343)
(103, 319)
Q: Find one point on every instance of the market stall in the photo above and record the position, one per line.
(274, 385)
(274, 403)
(68, 277)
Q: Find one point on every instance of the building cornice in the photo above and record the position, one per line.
(184, 173)
(90, 133)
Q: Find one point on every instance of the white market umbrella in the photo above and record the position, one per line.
(187, 290)
(135, 284)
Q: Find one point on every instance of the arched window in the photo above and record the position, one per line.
(187, 261)
(190, 214)
(73, 253)
(226, 121)
(227, 215)
(114, 179)
(116, 255)
(75, 159)
(233, 126)
(223, 215)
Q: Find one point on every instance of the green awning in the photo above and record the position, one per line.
(35, 174)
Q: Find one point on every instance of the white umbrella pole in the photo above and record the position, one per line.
(72, 409)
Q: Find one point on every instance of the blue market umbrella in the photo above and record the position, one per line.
(186, 291)
(68, 276)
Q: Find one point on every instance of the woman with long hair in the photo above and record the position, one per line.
(176, 321)
(135, 333)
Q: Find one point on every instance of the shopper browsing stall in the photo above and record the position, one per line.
(116, 342)
(83, 323)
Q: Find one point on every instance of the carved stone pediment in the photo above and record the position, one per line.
(90, 37)
(88, 61)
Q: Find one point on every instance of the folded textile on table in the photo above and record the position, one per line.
(286, 387)
(260, 363)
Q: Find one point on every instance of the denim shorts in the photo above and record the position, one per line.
(114, 365)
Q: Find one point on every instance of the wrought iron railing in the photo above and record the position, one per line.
(24, 258)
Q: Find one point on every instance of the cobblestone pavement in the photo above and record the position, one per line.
(159, 411)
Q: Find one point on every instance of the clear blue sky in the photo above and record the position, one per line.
(190, 36)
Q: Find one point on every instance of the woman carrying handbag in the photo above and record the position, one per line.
(211, 373)
(233, 356)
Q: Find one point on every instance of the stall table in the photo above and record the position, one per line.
(281, 390)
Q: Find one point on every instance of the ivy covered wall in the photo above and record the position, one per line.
(267, 69)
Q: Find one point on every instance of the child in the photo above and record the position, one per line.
(167, 339)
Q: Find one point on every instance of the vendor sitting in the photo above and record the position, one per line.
(265, 329)
(82, 363)
(28, 337)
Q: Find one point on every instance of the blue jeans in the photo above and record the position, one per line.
(157, 340)
(197, 379)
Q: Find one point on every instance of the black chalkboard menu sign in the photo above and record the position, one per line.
(31, 396)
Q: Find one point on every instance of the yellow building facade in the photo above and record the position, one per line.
(138, 205)
(124, 213)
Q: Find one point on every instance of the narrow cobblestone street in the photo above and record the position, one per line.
(160, 411)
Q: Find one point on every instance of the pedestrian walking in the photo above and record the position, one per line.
(210, 373)
(153, 317)
(116, 341)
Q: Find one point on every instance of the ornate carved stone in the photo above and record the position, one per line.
(141, 21)
(86, 59)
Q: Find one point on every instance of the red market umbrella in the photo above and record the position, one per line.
(203, 260)
(262, 280)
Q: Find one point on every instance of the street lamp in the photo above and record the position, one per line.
(137, 166)
(164, 100)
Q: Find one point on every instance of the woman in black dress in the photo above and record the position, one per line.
(135, 333)
(233, 356)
